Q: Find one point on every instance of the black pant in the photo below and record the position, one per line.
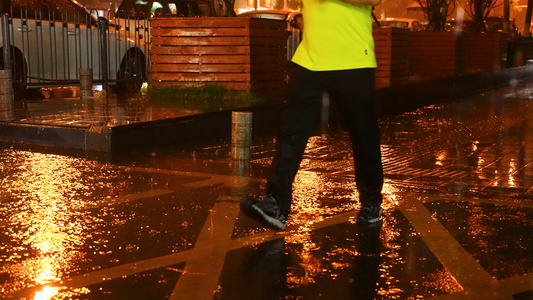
(354, 92)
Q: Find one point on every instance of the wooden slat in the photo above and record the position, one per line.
(258, 77)
(273, 42)
(201, 68)
(269, 32)
(445, 69)
(268, 68)
(206, 77)
(231, 85)
(269, 82)
(197, 59)
(198, 31)
(270, 42)
(210, 22)
(279, 59)
(216, 22)
(199, 50)
(432, 49)
(267, 23)
(201, 41)
(393, 69)
(438, 60)
(280, 53)
(392, 56)
(388, 73)
(272, 51)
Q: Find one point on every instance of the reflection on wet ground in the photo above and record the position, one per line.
(166, 224)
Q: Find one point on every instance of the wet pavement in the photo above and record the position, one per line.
(165, 223)
(65, 107)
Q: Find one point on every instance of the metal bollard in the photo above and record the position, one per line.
(241, 135)
(6, 41)
(6, 86)
(103, 27)
(7, 111)
(86, 82)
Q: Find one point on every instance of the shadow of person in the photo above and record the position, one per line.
(365, 266)
(259, 272)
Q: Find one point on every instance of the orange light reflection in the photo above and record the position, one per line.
(47, 222)
(511, 182)
(441, 157)
(316, 196)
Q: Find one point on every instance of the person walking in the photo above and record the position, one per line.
(337, 56)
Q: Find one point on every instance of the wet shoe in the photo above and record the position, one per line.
(265, 211)
(369, 214)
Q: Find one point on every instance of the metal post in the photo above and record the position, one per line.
(7, 111)
(6, 86)
(103, 25)
(86, 82)
(241, 135)
(241, 141)
(6, 42)
(6, 75)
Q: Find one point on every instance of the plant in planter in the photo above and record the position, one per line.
(436, 12)
(478, 11)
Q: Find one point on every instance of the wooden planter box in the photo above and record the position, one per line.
(392, 55)
(486, 52)
(436, 54)
(239, 53)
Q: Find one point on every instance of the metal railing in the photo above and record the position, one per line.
(294, 39)
(47, 46)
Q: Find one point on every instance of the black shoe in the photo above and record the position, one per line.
(369, 214)
(265, 211)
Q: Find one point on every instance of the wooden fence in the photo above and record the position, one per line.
(250, 54)
(238, 53)
(486, 52)
(392, 56)
(437, 54)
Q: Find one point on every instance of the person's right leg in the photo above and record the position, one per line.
(354, 92)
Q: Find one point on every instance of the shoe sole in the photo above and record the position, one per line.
(256, 213)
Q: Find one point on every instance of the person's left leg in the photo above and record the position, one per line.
(353, 90)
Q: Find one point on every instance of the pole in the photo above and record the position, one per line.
(506, 17)
(6, 87)
(103, 25)
(527, 23)
(241, 135)
(86, 82)
(6, 41)
(241, 141)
